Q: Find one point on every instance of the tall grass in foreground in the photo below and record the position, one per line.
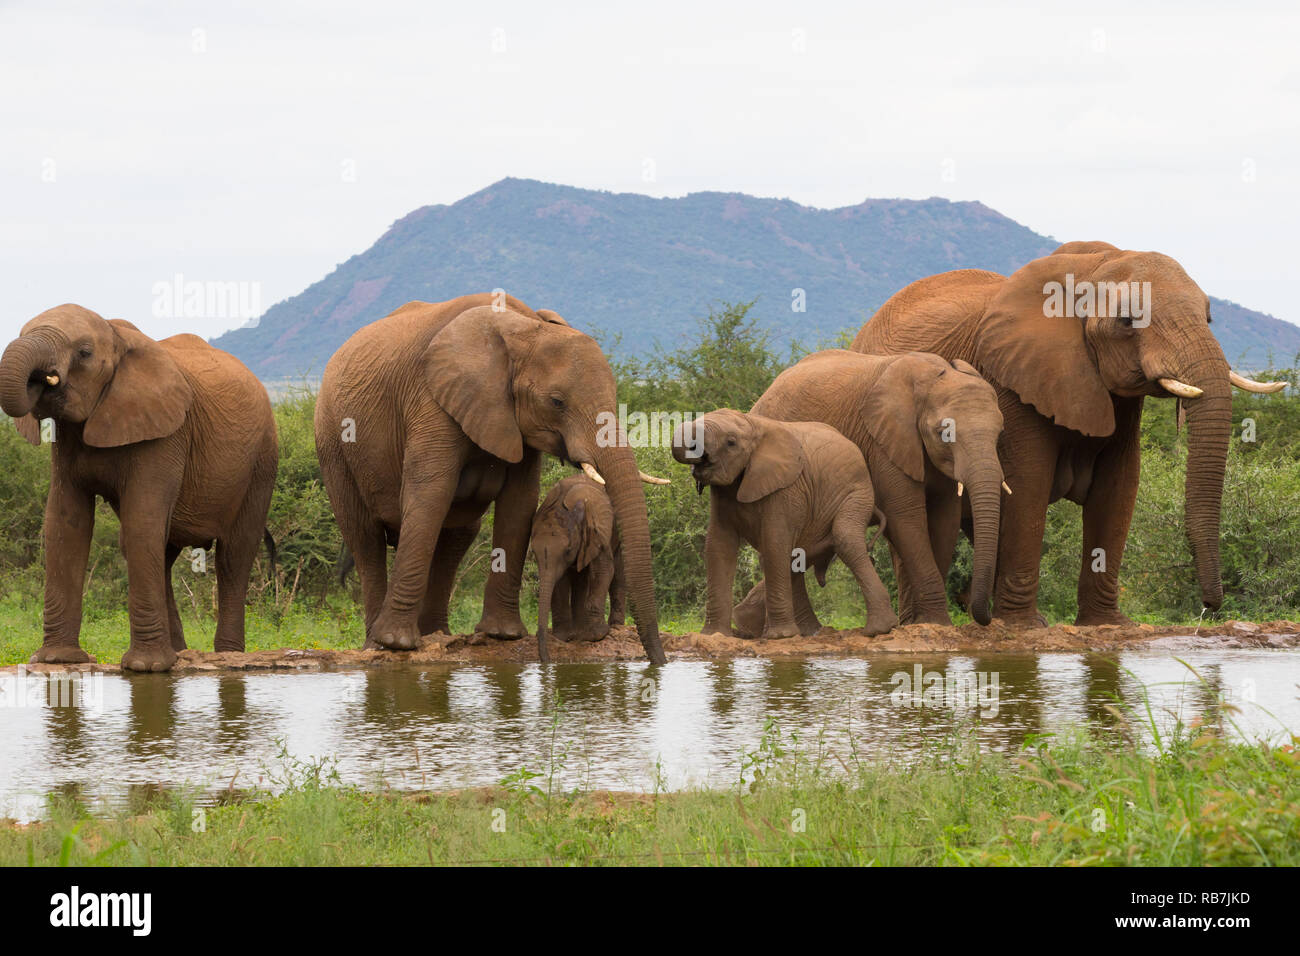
(1189, 797)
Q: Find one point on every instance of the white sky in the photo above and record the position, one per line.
(1177, 131)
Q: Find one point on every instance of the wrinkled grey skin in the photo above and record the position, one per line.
(579, 562)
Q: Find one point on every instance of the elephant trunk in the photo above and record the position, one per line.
(985, 489)
(22, 360)
(549, 574)
(1209, 429)
(617, 465)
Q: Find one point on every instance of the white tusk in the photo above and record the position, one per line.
(591, 472)
(1180, 389)
(959, 489)
(652, 480)
(52, 379)
(1006, 487)
(1250, 385)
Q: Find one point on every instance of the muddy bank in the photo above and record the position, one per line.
(622, 645)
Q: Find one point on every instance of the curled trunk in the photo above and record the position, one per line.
(23, 358)
(623, 485)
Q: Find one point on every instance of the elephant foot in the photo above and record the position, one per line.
(1028, 618)
(778, 632)
(1108, 616)
(880, 624)
(395, 637)
(596, 633)
(748, 621)
(222, 646)
(61, 654)
(153, 658)
(502, 626)
(809, 628)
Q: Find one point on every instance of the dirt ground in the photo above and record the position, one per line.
(622, 645)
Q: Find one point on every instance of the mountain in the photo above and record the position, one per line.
(638, 271)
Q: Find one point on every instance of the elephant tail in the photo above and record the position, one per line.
(880, 529)
(346, 563)
(270, 548)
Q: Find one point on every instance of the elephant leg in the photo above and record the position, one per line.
(721, 549)
(174, 626)
(447, 556)
(363, 534)
(512, 523)
(943, 520)
(804, 615)
(599, 574)
(849, 532)
(751, 613)
(776, 557)
(921, 594)
(618, 593)
(1107, 511)
(69, 524)
(429, 478)
(144, 541)
(1028, 449)
(236, 553)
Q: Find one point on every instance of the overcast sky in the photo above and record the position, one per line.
(267, 141)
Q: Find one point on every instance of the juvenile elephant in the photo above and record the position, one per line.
(1073, 342)
(781, 486)
(928, 429)
(178, 438)
(431, 414)
(579, 561)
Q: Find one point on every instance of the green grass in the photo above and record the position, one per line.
(1197, 800)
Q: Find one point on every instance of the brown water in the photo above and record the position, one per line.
(112, 740)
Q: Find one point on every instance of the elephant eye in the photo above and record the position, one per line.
(731, 442)
(557, 402)
(1126, 321)
(84, 352)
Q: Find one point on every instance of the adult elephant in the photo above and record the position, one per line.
(926, 427)
(1073, 342)
(432, 413)
(178, 438)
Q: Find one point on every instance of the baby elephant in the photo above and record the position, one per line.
(799, 492)
(579, 561)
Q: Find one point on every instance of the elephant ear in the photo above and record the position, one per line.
(29, 428)
(467, 366)
(588, 527)
(147, 398)
(890, 411)
(1044, 358)
(776, 461)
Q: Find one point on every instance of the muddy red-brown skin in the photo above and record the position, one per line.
(178, 437)
(1071, 392)
(781, 486)
(451, 406)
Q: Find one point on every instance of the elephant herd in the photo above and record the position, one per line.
(970, 399)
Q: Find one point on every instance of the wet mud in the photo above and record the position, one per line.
(622, 644)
